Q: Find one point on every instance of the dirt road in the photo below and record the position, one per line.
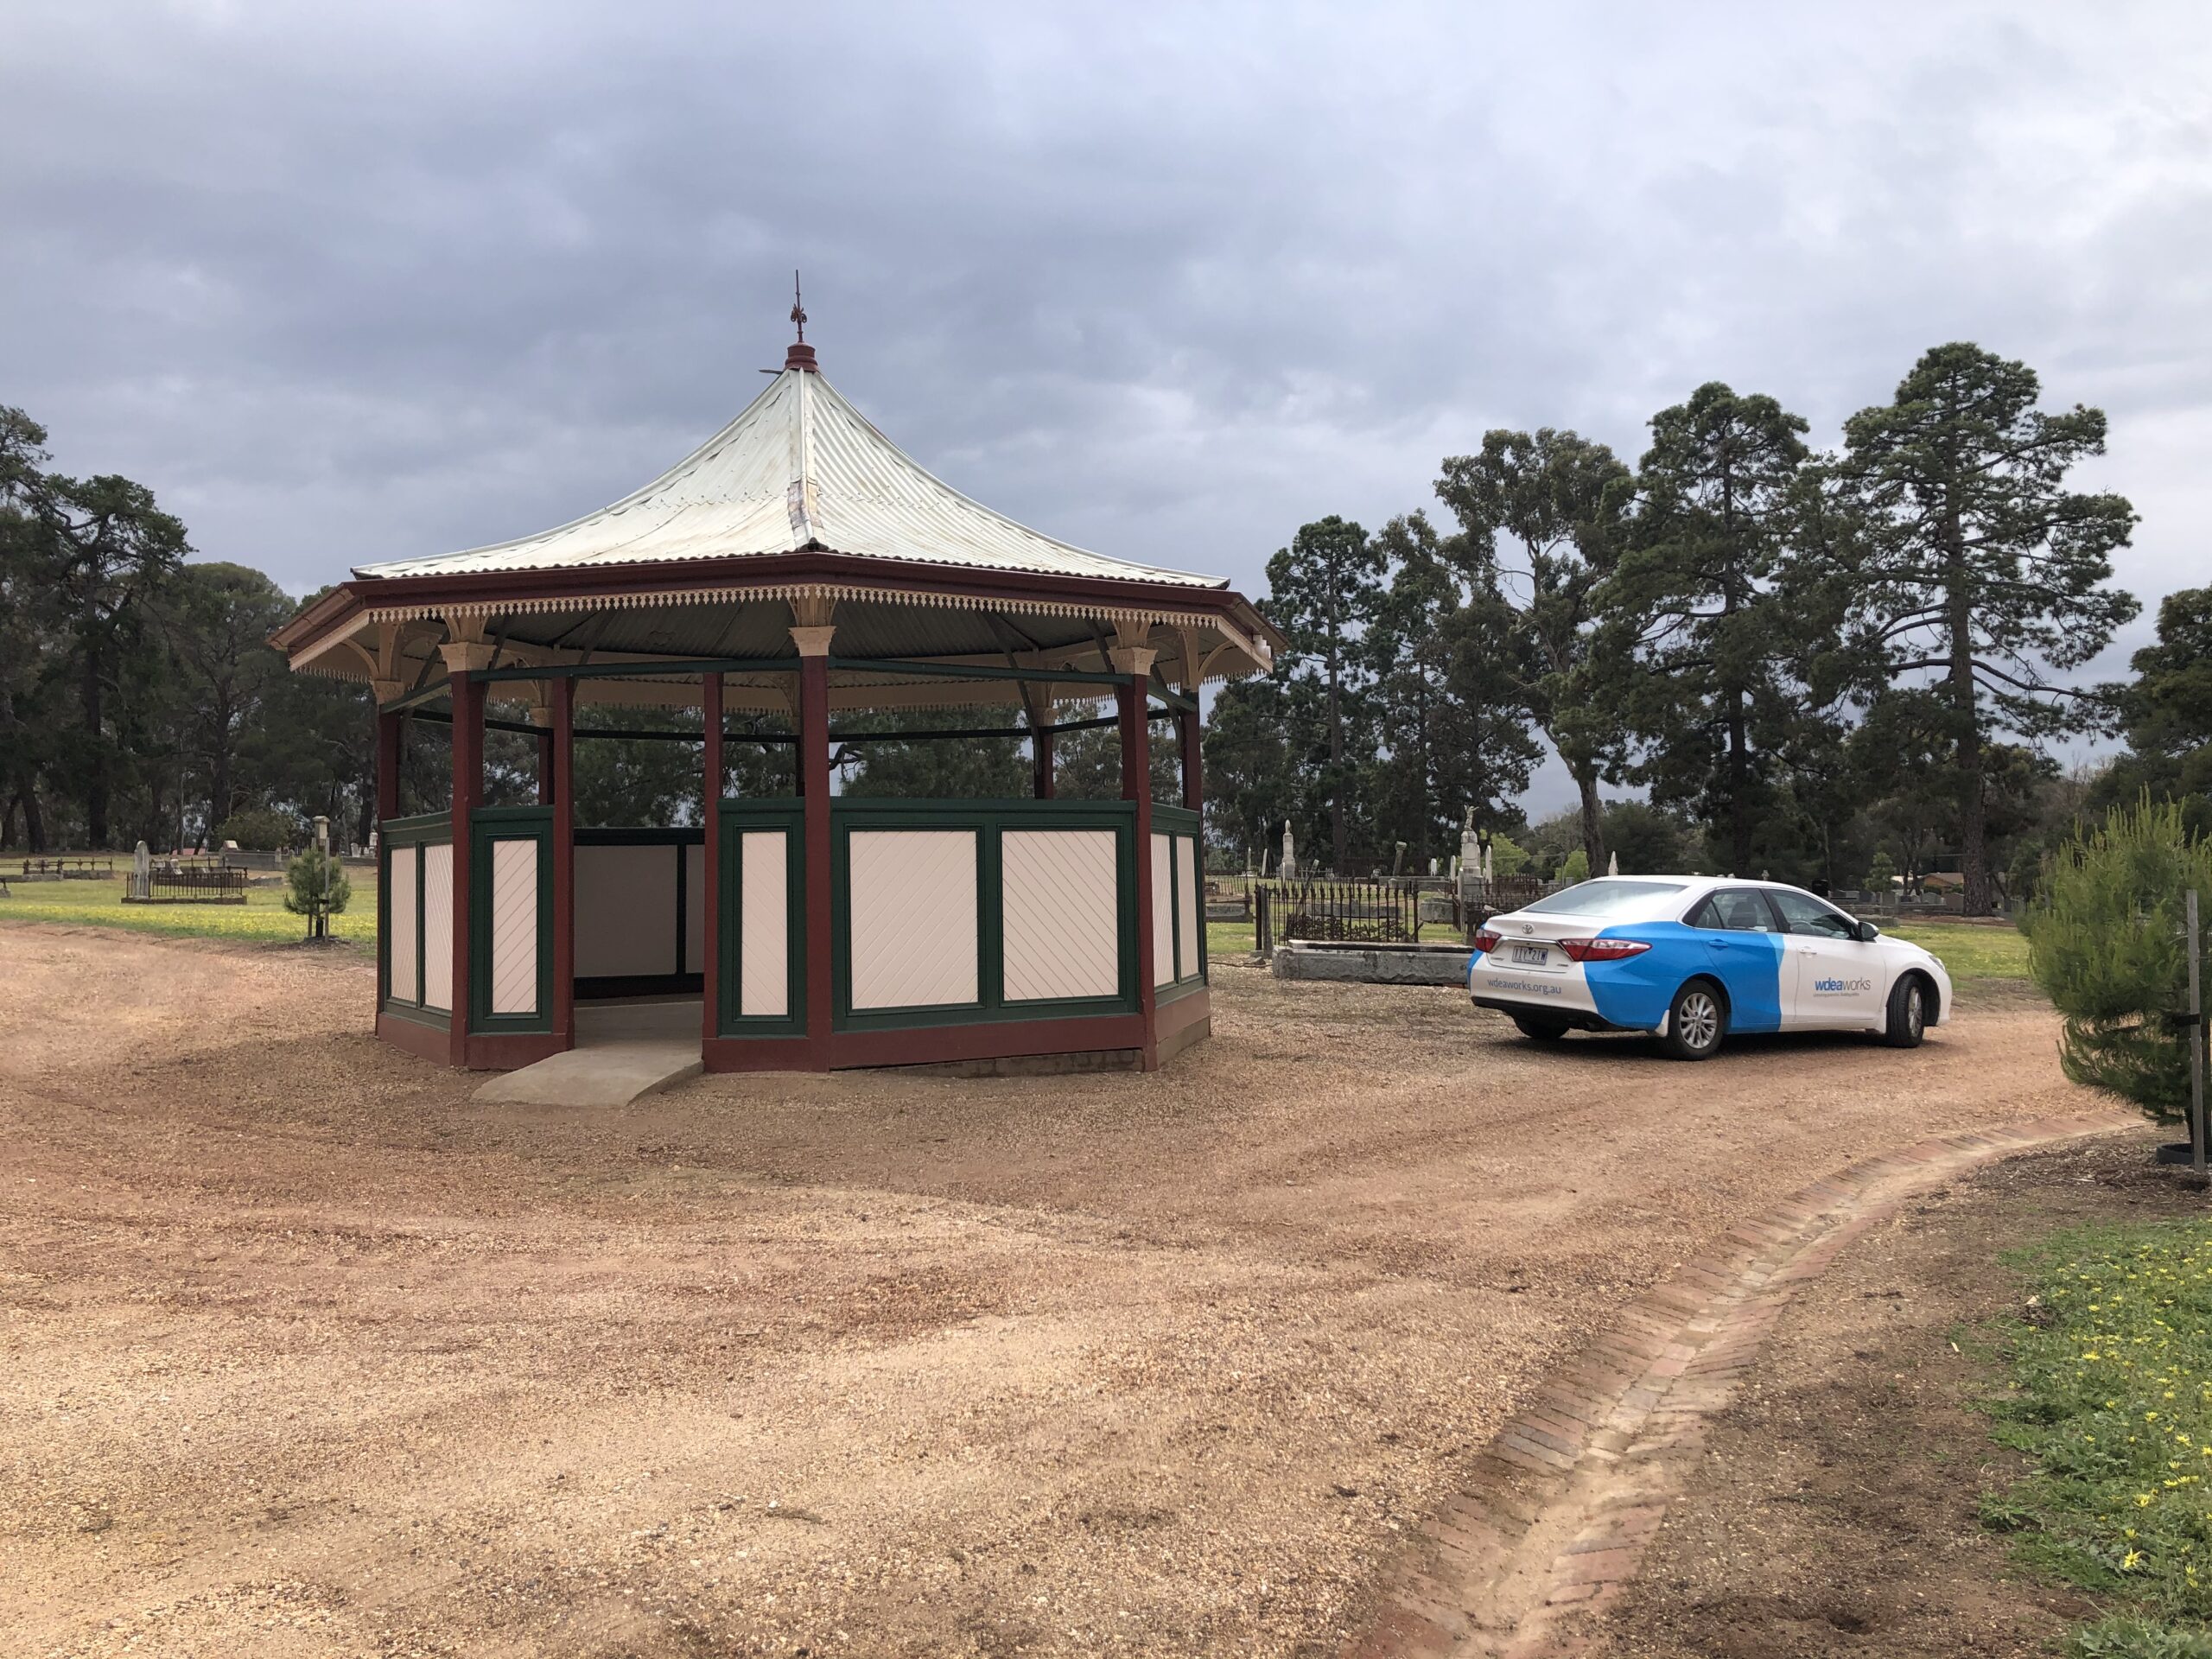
(301, 1352)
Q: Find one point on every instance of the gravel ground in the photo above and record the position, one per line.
(301, 1352)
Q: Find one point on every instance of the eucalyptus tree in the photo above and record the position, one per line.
(1973, 567)
(1451, 726)
(1540, 518)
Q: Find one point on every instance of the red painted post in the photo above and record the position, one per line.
(1041, 753)
(564, 860)
(814, 787)
(468, 795)
(1187, 735)
(1136, 785)
(711, 818)
(388, 739)
(546, 785)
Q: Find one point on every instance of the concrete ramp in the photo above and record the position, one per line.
(605, 1074)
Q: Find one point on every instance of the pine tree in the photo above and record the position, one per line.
(2107, 942)
(1970, 560)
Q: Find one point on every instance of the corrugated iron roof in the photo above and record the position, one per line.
(801, 467)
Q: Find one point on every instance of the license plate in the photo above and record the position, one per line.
(1533, 955)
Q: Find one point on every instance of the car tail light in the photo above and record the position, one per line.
(1601, 950)
(1486, 938)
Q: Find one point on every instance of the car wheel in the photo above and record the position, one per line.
(1540, 1030)
(1696, 1021)
(1907, 1020)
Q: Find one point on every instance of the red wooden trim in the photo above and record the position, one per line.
(1136, 786)
(711, 910)
(510, 1050)
(760, 1054)
(1001, 1039)
(1181, 1022)
(467, 796)
(545, 782)
(564, 861)
(416, 1037)
(814, 788)
(772, 569)
(927, 1044)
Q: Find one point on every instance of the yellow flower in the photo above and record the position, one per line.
(2142, 1500)
(2130, 1561)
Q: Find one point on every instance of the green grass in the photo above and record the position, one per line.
(2110, 1396)
(1967, 953)
(263, 917)
(1969, 950)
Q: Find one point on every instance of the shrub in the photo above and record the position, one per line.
(2106, 944)
(316, 886)
(257, 829)
(1575, 866)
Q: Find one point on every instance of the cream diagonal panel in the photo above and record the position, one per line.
(405, 864)
(1163, 917)
(514, 926)
(1187, 911)
(437, 928)
(913, 917)
(1062, 929)
(764, 942)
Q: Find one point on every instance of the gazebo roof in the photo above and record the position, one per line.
(800, 469)
(799, 502)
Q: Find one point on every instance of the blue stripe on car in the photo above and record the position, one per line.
(1635, 991)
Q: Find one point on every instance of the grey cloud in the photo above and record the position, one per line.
(347, 282)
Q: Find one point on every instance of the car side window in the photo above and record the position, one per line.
(1737, 910)
(1803, 913)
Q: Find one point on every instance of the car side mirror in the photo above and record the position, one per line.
(1868, 933)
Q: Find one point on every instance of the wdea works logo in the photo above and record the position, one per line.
(1842, 987)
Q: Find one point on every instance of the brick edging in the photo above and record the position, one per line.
(1554, 1516)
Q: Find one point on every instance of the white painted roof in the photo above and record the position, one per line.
(800, 468)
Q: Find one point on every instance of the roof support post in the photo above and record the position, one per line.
(1135, 662)
(710, 819)
(811, 634)
(468, 795)
(541, 716)
(1040, 749)
(564, 712)
(1188, 733)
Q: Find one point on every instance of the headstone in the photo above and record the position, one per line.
(1488, 872)
(1289, 853)
(1471, 850)
(1612, 864)
(142, 874)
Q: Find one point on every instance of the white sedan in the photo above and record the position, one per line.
(1693, 957)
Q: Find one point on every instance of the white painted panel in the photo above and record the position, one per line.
(694, 909)
(913, 917)
(1163, 920)
(1062, 935)
(514, 926)
(763, 923)
(1187, 911)
(626, 911)
(437, 928)
(405, 862)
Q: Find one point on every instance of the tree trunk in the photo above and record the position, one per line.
(1973, 835)
(1593, 829)
(89, 689)
(34, 820)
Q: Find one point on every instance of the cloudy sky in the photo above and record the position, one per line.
(347, 284)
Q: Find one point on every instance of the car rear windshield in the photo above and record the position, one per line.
(1628, 900)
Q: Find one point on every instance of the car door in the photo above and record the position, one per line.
(1743, 941)
(1835, 980)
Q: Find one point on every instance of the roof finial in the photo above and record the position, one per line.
(800, 356)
